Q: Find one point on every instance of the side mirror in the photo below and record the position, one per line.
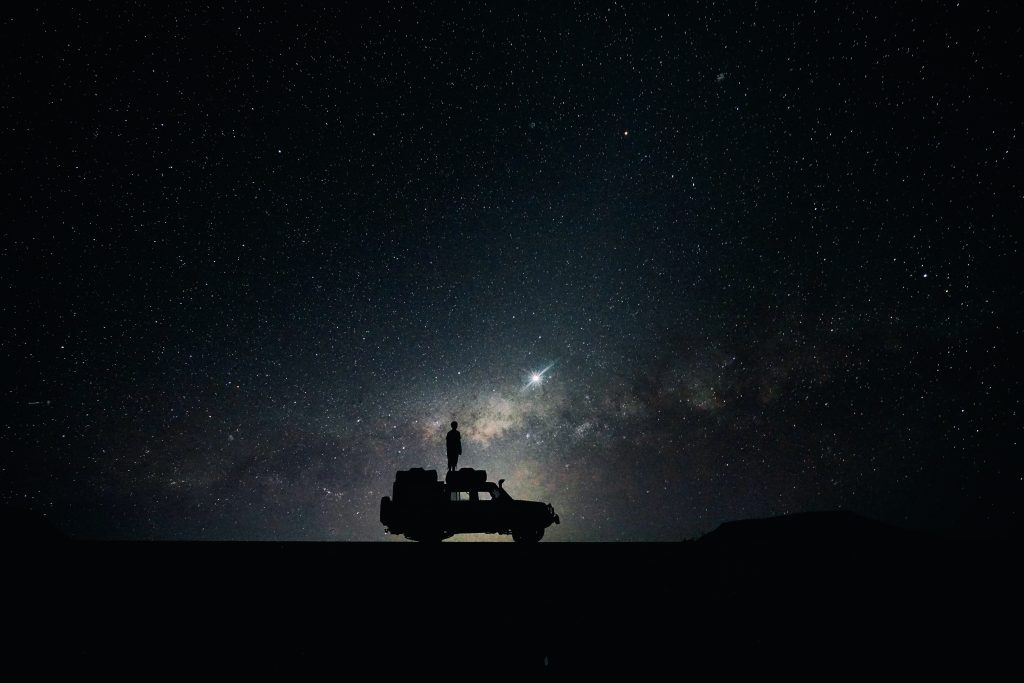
(500, 482)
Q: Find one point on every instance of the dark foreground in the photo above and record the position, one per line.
(813, 594)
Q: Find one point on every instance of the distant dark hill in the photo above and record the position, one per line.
(807, 530)
(834, 543)
(834, 567)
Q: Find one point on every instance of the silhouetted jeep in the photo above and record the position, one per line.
(424, 509)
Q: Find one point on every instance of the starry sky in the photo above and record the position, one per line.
(766, 256)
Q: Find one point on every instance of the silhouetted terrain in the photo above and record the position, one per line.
(825, 593)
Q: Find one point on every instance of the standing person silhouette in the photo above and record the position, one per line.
(454, 443)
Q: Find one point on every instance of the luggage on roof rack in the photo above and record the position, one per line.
(416, 475)
(465, 477)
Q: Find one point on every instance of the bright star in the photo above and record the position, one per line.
(537, 377)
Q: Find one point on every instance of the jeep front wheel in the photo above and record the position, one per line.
(527, 535)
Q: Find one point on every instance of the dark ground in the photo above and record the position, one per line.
(823, 594)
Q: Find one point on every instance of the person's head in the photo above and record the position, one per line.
(455, 425)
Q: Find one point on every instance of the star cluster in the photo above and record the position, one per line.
(667, 266)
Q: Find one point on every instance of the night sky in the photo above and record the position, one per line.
(255, 260)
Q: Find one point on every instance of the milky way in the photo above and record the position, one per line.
(763, 260)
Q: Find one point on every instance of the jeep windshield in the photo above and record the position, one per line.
(486, 492)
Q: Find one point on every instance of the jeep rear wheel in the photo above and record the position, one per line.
(431, 538)
(527, 535)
